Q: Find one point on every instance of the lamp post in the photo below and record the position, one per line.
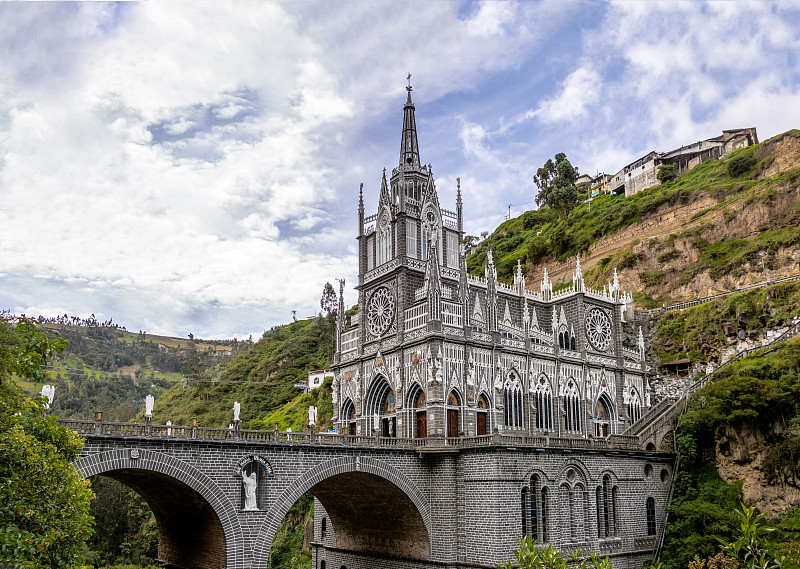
(761, 254)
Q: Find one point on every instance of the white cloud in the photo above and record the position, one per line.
(195, 166)
(579, 90)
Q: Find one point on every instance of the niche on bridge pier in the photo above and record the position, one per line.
(252, 472)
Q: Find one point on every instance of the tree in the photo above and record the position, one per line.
(328, 300)
(556, 183)
(44, 504)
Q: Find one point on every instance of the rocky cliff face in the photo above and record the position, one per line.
(740, 456)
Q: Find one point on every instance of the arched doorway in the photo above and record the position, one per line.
(482, 415)
(602, 416)
(349, 418)
(417, 417)
(381, 408)
(453, 414)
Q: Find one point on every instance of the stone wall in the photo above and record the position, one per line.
(385, 507)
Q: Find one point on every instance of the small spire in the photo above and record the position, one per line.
(409, 148)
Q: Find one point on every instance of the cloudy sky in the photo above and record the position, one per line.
(194, 167)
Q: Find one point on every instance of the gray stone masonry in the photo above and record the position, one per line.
(381, 506)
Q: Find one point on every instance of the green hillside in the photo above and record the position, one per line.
(729, 186)
(261, 377)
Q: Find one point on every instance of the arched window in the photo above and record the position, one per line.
(384, 240)
(512, 399)
(634, 406)
(604, 508)
(651, 516)
(535, 506)
(545, 512)
(572, 408)
(543, 401)
(324, 526)
(482, 416)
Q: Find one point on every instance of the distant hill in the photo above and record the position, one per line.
(106, 368)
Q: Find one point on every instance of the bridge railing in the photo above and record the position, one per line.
(142, 430)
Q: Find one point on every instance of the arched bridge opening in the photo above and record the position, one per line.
(370, 514)
(198, 526)
(371, 508)
(190, 532)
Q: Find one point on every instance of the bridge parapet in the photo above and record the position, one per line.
(421, 445)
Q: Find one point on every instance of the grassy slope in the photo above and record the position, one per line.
(699, 332)
(261, 378)
(538, 237)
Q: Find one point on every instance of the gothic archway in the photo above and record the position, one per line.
(381, 408)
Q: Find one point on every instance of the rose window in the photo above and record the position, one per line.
(380, 311)
(598, 329)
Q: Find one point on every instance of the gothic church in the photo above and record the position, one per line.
(436, 352)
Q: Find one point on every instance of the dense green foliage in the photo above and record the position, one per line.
(130, 532)
(288, 551)
(529, 556)
(44, 505)
(760, 394)
(556, 183)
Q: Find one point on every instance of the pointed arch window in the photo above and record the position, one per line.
(512, 399)
(634, 406)
(543, 402)
(384, 240)
(572, 408)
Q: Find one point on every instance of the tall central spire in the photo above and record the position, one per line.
(409, 150)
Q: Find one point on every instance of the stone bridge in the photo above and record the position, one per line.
(383, 502)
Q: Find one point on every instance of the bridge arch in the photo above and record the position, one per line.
(407, 523)
(150, 473)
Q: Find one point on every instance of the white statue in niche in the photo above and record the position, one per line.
(148, 405)
(250, 483)
(236, 409)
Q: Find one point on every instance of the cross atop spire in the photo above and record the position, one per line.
(409, 149)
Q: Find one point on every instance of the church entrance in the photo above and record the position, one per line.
(602, 417)
(482, 416)
(422, 424)
(453, 406)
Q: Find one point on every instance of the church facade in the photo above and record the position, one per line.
(436, 352)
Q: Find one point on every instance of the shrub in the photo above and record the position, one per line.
(740, 164)
(667, 173)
